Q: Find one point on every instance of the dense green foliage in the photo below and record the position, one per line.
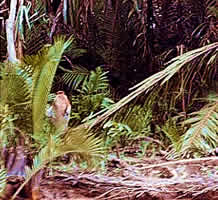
(24, 95)
(164, 51)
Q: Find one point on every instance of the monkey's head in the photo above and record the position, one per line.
(60, 92)
(61, 99)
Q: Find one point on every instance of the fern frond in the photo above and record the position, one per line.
(203, 133)
(94, 95)
(42, 79)
(73, 78)
(172, 132)
(97, 82)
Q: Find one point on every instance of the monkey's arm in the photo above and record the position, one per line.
(50, 112)
(67, 113)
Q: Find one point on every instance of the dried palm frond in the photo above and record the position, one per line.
(185, 62)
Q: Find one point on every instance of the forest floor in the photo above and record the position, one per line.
(128, 174)
(137, 179)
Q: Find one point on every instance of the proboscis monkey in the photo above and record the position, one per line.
(60, 110)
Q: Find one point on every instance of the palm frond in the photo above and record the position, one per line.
(203, 133)
(7, 127)
(36, 38)
(206, 31)
(15, 85)
(75, 77)
(184, 61)
(137, 117)
(43, 77)
(15, 95)
(84, 147)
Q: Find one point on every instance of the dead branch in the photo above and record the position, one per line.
(186, 161)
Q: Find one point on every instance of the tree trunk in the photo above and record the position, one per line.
(10, 23)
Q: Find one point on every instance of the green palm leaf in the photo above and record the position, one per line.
(15, 85)
(203, 133)
(85, 146)
(43, 77)
(15, 94)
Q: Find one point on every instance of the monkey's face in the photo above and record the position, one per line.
(61, 104)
